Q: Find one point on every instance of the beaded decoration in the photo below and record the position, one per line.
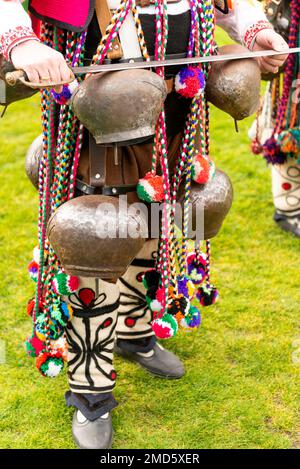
(285, 139)
(169, 292)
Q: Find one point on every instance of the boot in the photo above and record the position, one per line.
(287, 223)
(87, 434)
(159, 361)
(286, 193)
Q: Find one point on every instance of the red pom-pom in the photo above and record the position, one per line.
(34, 346)
(190, 82)
(165, 327)
(31, 306)
(256, 147)
(150, 188)
(203, 169)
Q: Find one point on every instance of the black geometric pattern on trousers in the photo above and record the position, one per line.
(86, 351)
(137, 302)
(136, 299)
(93, 309)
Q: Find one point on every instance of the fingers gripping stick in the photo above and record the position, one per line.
(12, 78)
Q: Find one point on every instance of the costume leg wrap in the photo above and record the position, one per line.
(286, 188)
(134, 320)
(91, 336)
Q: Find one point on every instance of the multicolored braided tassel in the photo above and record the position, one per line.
(285, 140)
(178, 276)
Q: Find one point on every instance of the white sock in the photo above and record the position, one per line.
(81, 418)
(151, 353)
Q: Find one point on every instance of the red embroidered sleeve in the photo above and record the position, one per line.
(252, 32)
(13, 37)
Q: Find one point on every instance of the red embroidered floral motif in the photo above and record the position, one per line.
(13, 37)
(252, 32)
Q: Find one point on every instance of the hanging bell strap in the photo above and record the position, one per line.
(104, 17)
(97, 159)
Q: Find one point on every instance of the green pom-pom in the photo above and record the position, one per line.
(165, 327)
(151, 188)
(65, 284)
(50, 364)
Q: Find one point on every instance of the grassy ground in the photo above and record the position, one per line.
(241, 389)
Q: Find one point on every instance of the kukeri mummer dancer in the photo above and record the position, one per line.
(92, 289)
(276, 132)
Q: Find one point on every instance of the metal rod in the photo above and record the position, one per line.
(176, 62)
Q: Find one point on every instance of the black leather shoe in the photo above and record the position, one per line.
(160, 363)
(87, 434)
(289, 224)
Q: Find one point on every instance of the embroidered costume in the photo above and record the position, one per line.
(276, 133)
(156, 292)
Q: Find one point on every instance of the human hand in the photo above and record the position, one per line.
(40, 63)
(269, 39)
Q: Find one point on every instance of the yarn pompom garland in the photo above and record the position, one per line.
(165, 327)
(150, 188)
(256, 147)
(289, 141)
(192, 319)
(50, 364)
(178, 306)
(196, 267)
(45, 326)
(53, 325)
(186, 287)
(155, 300)
(151, 278)
(31, 306)
(272, 152)
(64, 284)
(36, 254)
(61, 312)
(33, 270)
(203, 169)
(34, 346)
(66, 93)
(60, 345)
(207, 295)
(190, 82)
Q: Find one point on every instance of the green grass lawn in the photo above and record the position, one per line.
(241, 389)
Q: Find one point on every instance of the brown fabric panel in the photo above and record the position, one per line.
(134, 162)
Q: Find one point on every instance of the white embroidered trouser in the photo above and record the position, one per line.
(91, 336)
(134, 320)
(286, 187)
(103, 311)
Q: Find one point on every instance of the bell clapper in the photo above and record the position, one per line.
(4, 111)
(236, 125)
(116, 154)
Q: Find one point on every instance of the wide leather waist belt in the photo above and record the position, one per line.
(87, 189)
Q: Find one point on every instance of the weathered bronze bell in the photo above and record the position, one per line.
(214, 199)
(96, 236)
(32, 160)
(120, 106)
(234, 85)
(10, 94)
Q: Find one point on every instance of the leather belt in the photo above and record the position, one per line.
(87, 189)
